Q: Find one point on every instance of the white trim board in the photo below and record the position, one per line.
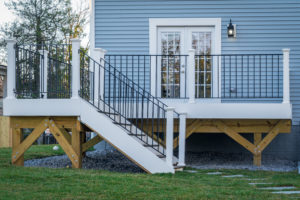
(201, 110)
(215, 110)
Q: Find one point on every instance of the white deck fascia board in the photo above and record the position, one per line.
(201, 110)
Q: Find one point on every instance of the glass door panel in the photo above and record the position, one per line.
(201, 42)
(170, 45)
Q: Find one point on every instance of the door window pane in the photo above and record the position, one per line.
(170, 64)
(201, 42)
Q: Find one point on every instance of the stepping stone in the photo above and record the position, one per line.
(278, 188)
(259, 183)
(233, 176)
(191, 171)
(214, 173)
(287, 192)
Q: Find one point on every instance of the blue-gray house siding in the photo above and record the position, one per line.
(122, 27)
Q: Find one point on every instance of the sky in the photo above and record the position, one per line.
(7, 16)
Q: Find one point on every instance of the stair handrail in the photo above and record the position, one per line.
(135, 96)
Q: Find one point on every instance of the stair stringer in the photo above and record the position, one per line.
(119, 138)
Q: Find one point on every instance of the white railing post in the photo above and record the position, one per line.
(169, 135)
(98, 54)
(75, 68)
(191, 75)
(182, 135)
(11, 68)
(44, 78)
(286, 75)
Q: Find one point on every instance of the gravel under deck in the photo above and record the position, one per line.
(217, 160)
(109, 160)
(115, 161)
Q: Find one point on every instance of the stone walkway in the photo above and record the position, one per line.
(288, 190)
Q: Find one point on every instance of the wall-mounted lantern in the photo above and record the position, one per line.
(231, 30)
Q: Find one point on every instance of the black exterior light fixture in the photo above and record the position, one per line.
(231, 30)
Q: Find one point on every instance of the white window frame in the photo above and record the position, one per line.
(155, 23)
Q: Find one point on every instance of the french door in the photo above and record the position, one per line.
(173, 46)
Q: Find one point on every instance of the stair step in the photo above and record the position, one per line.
(148, 145)
(161, 156)
(107, 113)
(122, 124)
(137, 135)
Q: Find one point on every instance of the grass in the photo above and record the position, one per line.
(44, 183)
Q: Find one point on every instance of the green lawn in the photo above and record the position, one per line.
(42, 183)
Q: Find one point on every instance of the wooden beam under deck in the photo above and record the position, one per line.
(238, 125)
(68, 132)
(234, 128)
(74, 145)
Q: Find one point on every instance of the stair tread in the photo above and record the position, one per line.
(148, 145)
(109, 113)
(122, 124)
(132, 134)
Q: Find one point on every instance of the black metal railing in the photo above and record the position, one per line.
(227, 76)
(59, 79)
(124, 101)
(59, 52)
(169, 79)
(29, 69)
(238, 76)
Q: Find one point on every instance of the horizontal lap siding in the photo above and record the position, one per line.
(262, 27)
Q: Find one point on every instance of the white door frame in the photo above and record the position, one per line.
(154, 23)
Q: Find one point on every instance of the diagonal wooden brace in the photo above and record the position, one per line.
(91, 142)
(270, 136)
(235, 136)
(36, 133)
(64, 143)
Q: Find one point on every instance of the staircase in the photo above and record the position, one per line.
(125, 115)
(120, 111)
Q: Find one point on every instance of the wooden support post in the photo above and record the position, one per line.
(63, 141)
(257, 157)
(20, 147)
(17, 136)
(270, 136)
(83, 140)
(77, 146)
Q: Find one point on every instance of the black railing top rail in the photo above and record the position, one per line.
(61, 52)
(246, 54)
(145, 55)
(36, 47)
(59, 61)
(28, 50)
(250, 54)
